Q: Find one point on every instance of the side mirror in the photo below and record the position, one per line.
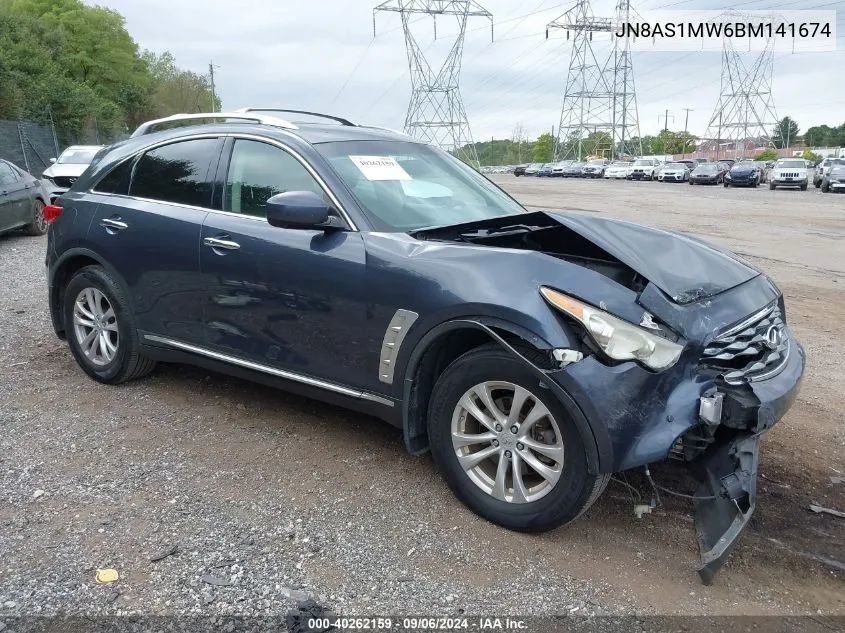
(53, 160)
(298, 210)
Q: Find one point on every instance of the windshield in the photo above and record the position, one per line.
(620, 164)
(707, 167)
(406, 186)
(643, 161)
(746, 164)
(794, 164)
(597, 162)
(577, 164)
(674, 166)
(78, 156)
(839, 170)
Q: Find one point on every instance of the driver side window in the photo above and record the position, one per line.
(258, 171)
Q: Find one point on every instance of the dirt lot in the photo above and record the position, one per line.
(266, 495)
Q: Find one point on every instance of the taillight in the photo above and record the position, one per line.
(52, 213)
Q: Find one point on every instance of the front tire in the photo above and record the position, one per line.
(506, 446)
(38, 225)
(101, 328)
(771, 186)
(825, 187)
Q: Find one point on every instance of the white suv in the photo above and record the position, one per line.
(823, 167)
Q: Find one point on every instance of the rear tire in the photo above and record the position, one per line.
(101, 329)
(771, 186)
(38, 226)
(542, 501)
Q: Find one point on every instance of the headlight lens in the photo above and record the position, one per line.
(618, 339)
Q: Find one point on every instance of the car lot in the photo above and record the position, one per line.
(272, 493)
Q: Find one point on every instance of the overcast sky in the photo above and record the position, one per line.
(322, 55)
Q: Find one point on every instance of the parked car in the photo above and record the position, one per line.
(708, 174)
(789, 172)
(644, 169)
(574, 170)
(559, 167)
(834, 179)
(67, 168)
(533, 353)
(519, 170)
(673, 172)
(22, 200)
(747, 173)
(532, 169)
(822, 168)
(618, 169)
(595, 168)
(546, 170)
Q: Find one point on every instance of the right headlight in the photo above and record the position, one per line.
(618, 339)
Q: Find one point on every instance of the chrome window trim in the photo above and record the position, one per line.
(326, 189)
(280, 373)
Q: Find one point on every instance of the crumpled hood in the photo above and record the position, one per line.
(73, 170)
(683, 267)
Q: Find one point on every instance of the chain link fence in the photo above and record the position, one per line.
(31, 145)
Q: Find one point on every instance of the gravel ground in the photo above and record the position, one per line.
(257, 499)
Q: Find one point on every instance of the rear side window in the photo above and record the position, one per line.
(7, 174)
(117, 180)
(176, 173)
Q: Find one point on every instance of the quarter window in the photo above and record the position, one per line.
(258, 171)
(117, 180)
(176, 173)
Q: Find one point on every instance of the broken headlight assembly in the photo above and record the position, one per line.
(618, 339)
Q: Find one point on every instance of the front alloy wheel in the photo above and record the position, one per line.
(506, 445)
(507, 441)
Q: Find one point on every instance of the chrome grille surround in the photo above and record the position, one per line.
(755, 349)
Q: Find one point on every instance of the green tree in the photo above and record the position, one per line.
(544, 147)
(770, 153)
(811, 156)
(785, 132)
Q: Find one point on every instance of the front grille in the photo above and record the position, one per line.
(791, 174)
(754, 349)
(64, 181)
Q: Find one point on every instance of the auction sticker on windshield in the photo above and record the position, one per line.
(380, 168)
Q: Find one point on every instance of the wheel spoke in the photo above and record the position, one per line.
(520, 492)
(537, 413)
(475, 411)
(520, 395)
(82, 309)
(471, 460)
(108, 315)
(106, 346)
(546, 472)
(89, 343)
(91, 302)
(499, 488)
(551, 451)
(460, 440)
(483, 393)
(98, 302)
(84, 322)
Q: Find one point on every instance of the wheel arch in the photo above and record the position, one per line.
(61, 273)
(447, 341)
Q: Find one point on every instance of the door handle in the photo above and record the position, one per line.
(113, 225)
(219, 243)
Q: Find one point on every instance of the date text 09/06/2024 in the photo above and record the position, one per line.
(416, 624)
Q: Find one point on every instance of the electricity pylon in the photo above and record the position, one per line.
(436, 111)
(599, 113)
(745, 110)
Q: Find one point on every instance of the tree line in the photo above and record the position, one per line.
(77, 66)
(520, 149)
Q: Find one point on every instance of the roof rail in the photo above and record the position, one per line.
(150, 126)
(320, 115)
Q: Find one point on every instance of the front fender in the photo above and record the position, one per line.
(596, 442)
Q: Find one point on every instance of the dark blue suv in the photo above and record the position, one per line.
(534, 353)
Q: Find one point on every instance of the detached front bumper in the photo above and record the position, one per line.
(645, 416)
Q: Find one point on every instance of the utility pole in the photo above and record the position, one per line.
(665, 117)
(211, 68)
(686, 128)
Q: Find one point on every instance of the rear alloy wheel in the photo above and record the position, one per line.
(101, 330)
(38, 225)
(506, 446)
